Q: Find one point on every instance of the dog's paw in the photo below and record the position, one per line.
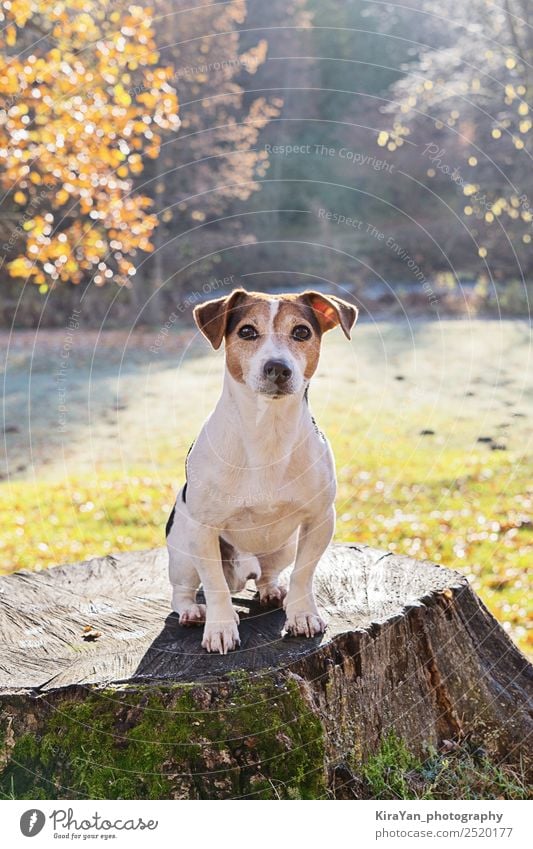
(304, 623)
(272, 595)
(193, 614)
(221, 636)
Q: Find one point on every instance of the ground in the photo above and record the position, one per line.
(429, 421)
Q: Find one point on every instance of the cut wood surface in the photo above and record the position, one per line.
(125, 602)
(409, 648)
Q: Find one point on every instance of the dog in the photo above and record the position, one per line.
(260, 479)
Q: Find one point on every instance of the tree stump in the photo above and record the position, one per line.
(104, 695)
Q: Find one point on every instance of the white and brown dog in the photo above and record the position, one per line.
(260, 477)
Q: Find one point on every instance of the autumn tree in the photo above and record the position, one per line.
(84, 99)
(463, 107)
(204, 178)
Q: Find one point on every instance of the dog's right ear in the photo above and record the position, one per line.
(212, 317)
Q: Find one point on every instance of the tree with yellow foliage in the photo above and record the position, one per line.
(84, 99)
(464, 110)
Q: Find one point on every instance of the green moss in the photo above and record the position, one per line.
(246, 738)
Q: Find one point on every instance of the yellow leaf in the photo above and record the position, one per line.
(19, 267)
(11, 35)
(121, 95)
(19, 197)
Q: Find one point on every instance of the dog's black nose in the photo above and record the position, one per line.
(277, 371)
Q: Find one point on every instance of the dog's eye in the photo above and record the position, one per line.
(247, 332)
(301, 332)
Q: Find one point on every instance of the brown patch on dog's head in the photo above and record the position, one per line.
(212, 317)
(252, 311)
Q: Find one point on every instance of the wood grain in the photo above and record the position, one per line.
(126, 599)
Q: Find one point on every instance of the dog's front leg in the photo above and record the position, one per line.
(303, 618)
(220, 631)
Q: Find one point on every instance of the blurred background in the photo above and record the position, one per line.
(156, 156)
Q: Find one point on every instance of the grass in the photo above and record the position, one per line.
(443, 495)
(464, 772)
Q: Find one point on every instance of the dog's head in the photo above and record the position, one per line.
(273, 341)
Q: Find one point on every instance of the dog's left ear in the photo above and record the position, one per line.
(331, 311)
(212, 317)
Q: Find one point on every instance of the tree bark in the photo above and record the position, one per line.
(103, 694)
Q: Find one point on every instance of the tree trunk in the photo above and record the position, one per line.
(103, 694)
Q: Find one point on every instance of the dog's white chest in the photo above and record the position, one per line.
(260, 529)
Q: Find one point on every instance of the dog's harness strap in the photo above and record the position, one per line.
(170, 521)
(184, 490)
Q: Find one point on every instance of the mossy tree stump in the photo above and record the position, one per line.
(103, 694)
